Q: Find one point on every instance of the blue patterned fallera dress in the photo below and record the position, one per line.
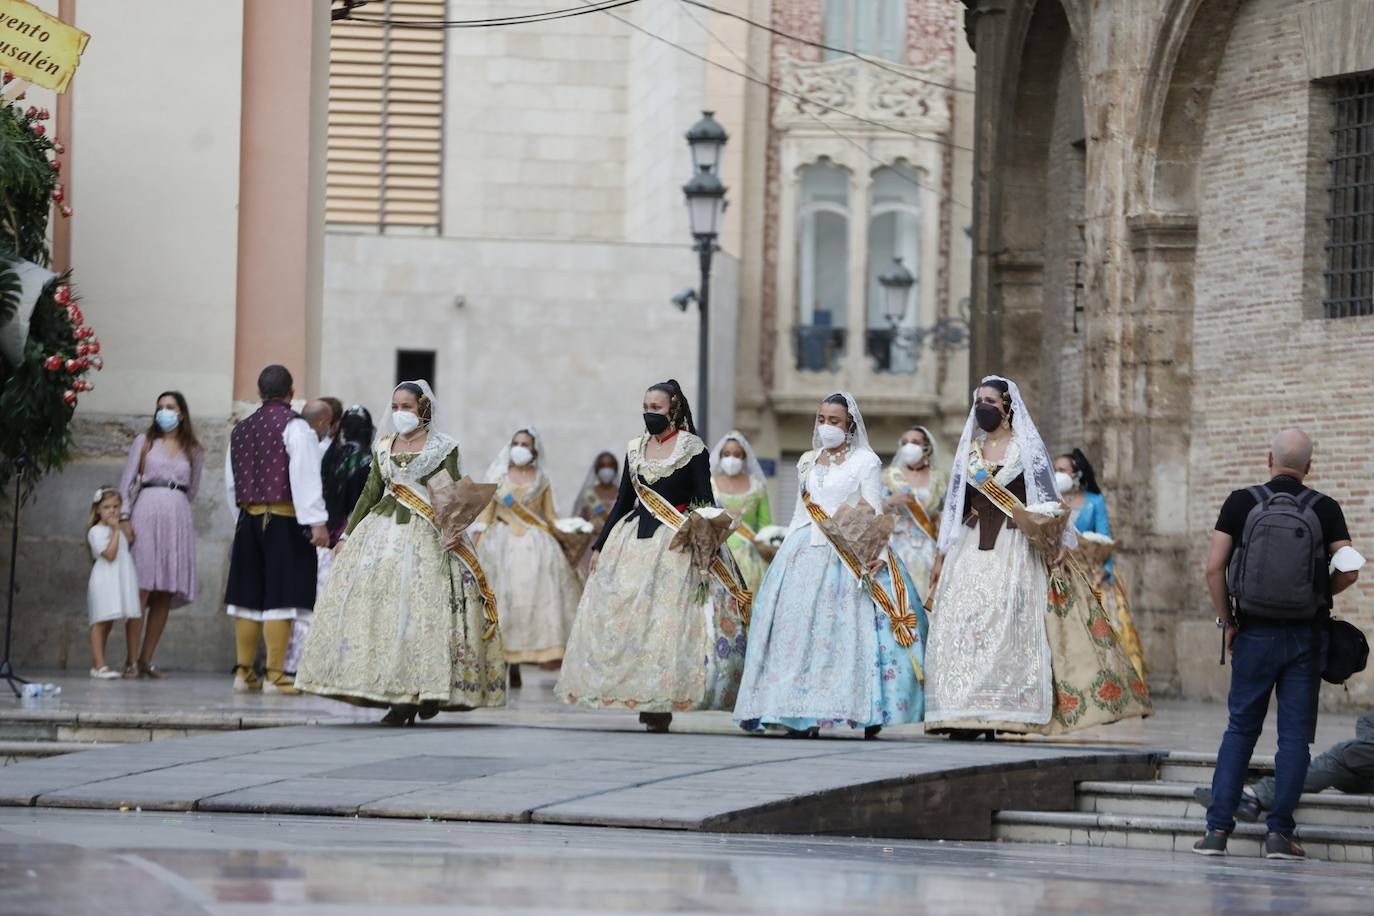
(821, 651)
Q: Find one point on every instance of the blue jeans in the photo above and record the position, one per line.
(1288, 661)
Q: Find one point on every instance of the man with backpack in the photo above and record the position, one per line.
(1271, 582)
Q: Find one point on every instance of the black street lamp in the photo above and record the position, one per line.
(946, 334)
(705, 205)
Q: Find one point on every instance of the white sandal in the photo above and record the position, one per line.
(105, 673)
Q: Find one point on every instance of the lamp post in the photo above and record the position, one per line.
(896, 284)
(705, 205)
(945, 335)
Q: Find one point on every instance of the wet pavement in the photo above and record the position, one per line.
(62, 862)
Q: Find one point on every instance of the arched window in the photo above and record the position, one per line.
(822, 265)
(873, 27)
(894, 231)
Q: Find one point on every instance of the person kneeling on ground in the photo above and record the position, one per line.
(1348, 766)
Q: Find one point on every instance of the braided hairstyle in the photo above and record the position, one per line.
(424, 409)
(679, 411)
(1083, 469)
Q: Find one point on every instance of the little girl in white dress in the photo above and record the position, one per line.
(113, 590)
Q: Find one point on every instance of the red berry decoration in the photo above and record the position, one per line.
(62, 295)
(83, 333)
(53, 363)
(72, 366)
(94, 345)
(40, 129)
(58, 147)
(59, 194)
(31, 113)
(83, 349)
(55, 165)
(97, 363)
(69, 398)
(74, 315)
(67, 212)
(44, 114)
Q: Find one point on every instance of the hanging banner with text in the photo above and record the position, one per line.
(37, 47)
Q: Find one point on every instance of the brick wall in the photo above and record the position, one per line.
(1258, 363)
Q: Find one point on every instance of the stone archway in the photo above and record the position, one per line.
(1146, 428)
(1030, 203)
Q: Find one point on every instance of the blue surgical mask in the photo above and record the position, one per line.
(167, 420)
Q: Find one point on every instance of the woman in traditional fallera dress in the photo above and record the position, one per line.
(653, 633)
(738, 481)
(913, 491)
(596, 498)
(822, 649)
(1018, 642)
(402, 622)
(1078, 483)
(535, 588)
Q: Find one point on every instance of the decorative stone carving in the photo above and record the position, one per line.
(906, 98)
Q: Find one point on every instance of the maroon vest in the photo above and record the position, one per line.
(258, 455)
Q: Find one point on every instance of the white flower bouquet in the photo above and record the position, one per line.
(1043, 525)
(1094, 549)
(702, 533)
(768, 539)
(574, 535)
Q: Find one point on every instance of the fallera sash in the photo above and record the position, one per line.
(421, 507)
(904, 620)
(668, 514)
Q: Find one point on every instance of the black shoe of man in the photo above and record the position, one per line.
(1213, 843)
(1248, 810)
(1278, 846)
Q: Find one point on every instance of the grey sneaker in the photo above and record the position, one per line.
(1213, 843)
(1248, 810)
(1278, 846)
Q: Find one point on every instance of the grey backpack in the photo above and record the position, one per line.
(1277, 571)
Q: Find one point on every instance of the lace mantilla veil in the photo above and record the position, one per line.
(751, 463)
(858, 441)
(501, 462)
(590, 481)
(389, 428)
(1035, 460)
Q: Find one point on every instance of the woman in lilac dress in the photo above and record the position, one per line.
(168, 459)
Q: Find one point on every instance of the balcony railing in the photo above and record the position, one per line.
(818, 347)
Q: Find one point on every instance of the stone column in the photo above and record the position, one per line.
(281, 192)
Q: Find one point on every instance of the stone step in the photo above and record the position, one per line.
(59, 725)
(1169, 799)
(1196, 768)
(17, 751)
(1171, 834)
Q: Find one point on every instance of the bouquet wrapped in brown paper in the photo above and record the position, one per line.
(457, 503)
(1043, 525)
(861, 531)
(574, 535)
(702, 533)
(1094, 549)
(768, 540)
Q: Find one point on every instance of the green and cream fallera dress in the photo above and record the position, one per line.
(401, 619)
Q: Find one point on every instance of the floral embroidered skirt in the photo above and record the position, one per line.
(751, 564)
(821, 652)
(401, 622)
(651, 634)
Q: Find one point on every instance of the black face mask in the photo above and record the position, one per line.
(656, 423)
(988, 416)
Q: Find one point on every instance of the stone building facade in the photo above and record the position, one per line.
(1166, 215)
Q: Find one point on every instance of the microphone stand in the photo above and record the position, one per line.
(6, 668)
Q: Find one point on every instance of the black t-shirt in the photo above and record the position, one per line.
(1238, 505)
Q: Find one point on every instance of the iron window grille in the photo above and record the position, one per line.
(1350, 209)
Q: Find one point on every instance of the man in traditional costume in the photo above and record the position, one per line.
(272, 479)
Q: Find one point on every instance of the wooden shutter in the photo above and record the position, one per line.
(386, 118)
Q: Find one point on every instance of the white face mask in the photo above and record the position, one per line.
(910, 454)
(830, 436)
(605, 475)
(405, 422)
(1064, 482)
(731, 465)
(520, 455)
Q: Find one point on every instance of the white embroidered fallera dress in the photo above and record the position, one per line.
(988, 657)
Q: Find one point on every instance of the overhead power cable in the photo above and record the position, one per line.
(787, 92)
(523, 19)
(828, 126)
(881, 65)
